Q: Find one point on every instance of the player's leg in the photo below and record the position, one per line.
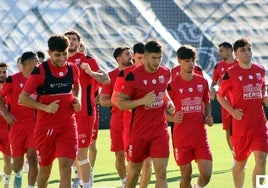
(7, 169)
(120, 165)
(186, 175)
(260, 165)
(133, 174)
(205, 170)
(146, 173)
(43, 176)
(84, 165)
(65, 166)
(33, 168)
(160, 168)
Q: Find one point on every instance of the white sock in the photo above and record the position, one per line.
(7, 179)
(75, 171)
(124, 180)
(197, 186)
(19, 174)
(86, 185)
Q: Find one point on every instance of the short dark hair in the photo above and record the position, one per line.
(152, 46)
(226, 45)
(40, 54)
(118, 51)
(73, 32)
(58, 43)
(187, 52)
(241, 43)
(3, 64)
(138, 48)
(27, 55)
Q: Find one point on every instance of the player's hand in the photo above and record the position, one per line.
(149, 98)
(76, 104)
(209, 120)
(170, 107)
(10, 119)
(178, 117)
(52, 107)
(237, 114)
(86, 68)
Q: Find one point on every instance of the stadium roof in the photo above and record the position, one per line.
(105, 25)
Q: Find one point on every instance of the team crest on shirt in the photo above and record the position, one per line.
(199, 87)
(161, 79)
(145, 82)
(258, 75)
(77, 61)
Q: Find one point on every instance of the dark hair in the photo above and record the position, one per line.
(40, 54)
(187, 52)
(152, 46)
(226, 45)
(73, 32)
(58, 43)
(27, 55)
(138, 48)
(118, 51)
(3, 64)
(241, 43)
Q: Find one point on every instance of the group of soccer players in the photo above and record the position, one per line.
(51, 109)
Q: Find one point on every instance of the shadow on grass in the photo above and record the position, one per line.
(108, 177)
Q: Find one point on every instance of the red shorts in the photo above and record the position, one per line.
(244, 145)
(96, 125)
(4, 142)
(184, 155)
(85, 126)
(116, 133)
(139, 149)
(226, 119)
(57, 142)
(20, 141)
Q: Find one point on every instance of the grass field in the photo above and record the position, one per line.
(106, 176)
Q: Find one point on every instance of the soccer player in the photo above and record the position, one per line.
(138, 59)
(123, 57)
(245, 85)
(21, 120)
(228, 60)
(90, 72)
(144, 92)
(190, 94)
(4, 133)
(57, 84)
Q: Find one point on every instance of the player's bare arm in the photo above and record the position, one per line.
(236, 113)
(10, 119)
(105, 100)
(125, 103)
(100, 76)
(26, 100)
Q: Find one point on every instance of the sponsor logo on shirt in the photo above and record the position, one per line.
(252, 92)
(189, 105)
(159, 102)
